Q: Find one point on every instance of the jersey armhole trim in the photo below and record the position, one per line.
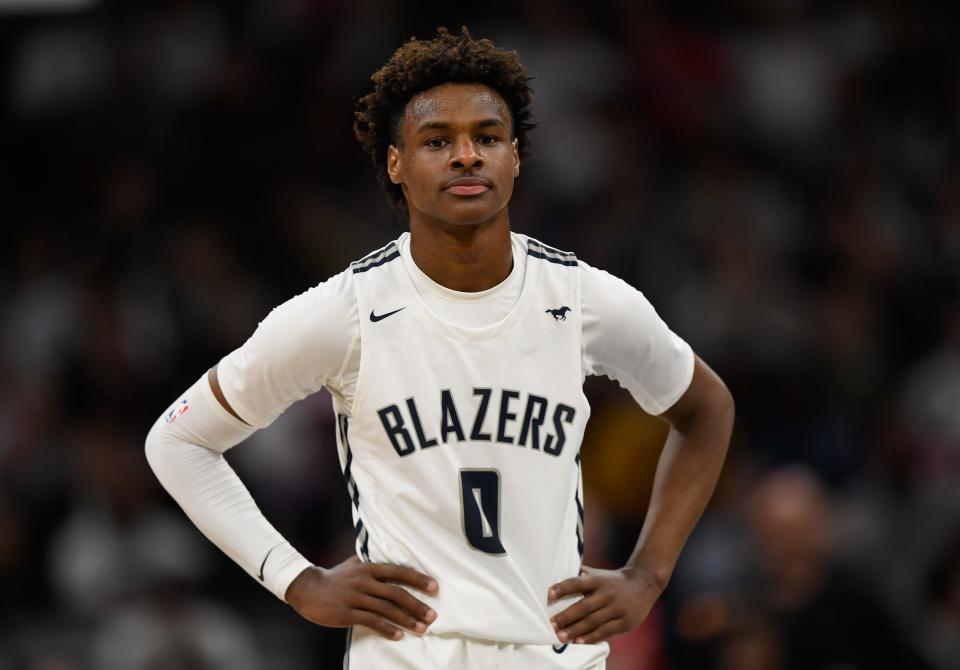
(358, 384)
(583, 349)
(353, 348)
(247, 418)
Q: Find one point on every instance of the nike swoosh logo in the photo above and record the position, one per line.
(260, 576)
(560, 648)
(381, 317)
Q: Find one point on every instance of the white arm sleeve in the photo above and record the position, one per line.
(626, 340)
(185, 450)
(312, 340)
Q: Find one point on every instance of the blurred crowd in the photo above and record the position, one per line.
(780, 178)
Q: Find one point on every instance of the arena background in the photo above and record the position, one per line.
(779, 177)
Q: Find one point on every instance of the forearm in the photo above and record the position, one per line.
(201, 481)
(686, 476)
(616, 601)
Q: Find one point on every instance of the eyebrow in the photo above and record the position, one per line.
(443, 125)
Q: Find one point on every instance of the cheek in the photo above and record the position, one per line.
(422, 169)
(421, 180)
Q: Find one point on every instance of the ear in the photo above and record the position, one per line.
(516, 157)
(394, 165)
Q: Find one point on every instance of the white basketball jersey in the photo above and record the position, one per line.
(461, 450)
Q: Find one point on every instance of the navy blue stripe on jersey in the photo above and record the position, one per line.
(351, 484)
(363, 536)
(375, 264)
(537, 254)
(544, 247)
(543, 252)
(379, 251)
(377, 258)
(576, 498)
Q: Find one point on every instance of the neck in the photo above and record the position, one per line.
(463, 258)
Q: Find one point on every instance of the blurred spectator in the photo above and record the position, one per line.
(931, 396)
(116, 542)
(941, 622)
(827, 616)
(174, 634)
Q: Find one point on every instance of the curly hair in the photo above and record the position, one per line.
(419, 65)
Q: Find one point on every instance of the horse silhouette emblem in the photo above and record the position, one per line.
(559, 314)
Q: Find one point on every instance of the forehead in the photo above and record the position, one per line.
(455, 102)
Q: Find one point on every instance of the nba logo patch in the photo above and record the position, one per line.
(177, 410)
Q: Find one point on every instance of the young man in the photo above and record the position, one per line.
(455, 356)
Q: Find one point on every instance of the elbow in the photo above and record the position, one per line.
(162, 451)
(708, 406)
(152, 449)
(719, 409)
(727, 405)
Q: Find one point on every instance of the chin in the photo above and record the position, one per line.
(468, 220)
(468, 214)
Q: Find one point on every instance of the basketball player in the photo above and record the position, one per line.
(455, 356)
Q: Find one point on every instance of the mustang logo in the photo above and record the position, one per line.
(559, 314)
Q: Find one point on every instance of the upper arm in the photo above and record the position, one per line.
(706, 393)
(300, 347)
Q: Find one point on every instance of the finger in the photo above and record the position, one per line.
(390, 612)
(403, 599)
(403, 575)
(578, 610)
(570, 586)
(586, 625)
(376, 624)
(607, 630)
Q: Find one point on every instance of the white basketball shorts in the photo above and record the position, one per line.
(367, 650)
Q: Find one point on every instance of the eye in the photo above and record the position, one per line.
(436, 143)
(487, 139)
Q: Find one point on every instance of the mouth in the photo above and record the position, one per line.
(467, 186)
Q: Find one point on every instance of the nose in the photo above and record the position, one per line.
(464, 156)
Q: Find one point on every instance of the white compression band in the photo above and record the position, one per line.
(185, 450)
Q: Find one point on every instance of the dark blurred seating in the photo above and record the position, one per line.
(786, 174)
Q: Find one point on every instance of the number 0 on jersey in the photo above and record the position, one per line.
(480, 507)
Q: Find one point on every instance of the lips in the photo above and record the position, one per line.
(467, 190)
(467, 186)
